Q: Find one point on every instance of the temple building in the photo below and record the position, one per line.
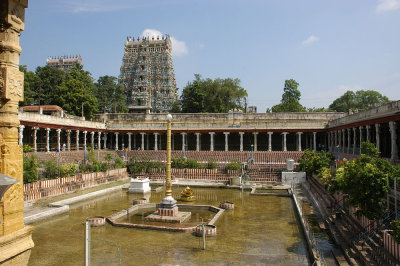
(236, 131)
(147, 74)
(63, 62)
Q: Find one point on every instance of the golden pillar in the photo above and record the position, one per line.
(168, 185)
(15, 237)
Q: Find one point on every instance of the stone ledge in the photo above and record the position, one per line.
(14, 244)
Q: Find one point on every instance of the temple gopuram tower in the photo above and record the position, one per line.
(147, 74)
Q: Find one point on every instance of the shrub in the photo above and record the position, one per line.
(178, 163)
(395, 226)
(51, 169)
(234, 165)
(119, 163)
(191, 164)
(30, 169)
(212, 164)
(27, 148)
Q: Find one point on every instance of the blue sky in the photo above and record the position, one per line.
(327, 46)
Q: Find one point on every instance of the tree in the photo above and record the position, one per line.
(360, 100)
(73, 97)
(175, 107)
(212, 96)
(110, 95)
(290, 98)
(48, 80)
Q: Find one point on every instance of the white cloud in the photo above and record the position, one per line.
(201, 45)
(387, 5)
(178, 47)
(310, 40)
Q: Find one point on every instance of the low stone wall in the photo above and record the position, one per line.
(53, 187)
(113, 218)
(211, 175)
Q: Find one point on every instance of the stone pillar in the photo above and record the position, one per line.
(329, 141)
(198, 141)
(68, 139)
(393, 134)
(299, 140)
(377, 137)
(368, 127)
(343, 140)
(15, 238)
(48, 139)
(284, 140)
(58, 139)
(241, 140)
(255, 134)
(270, 140)
(314, 141)
(142, 144)
(156, 141)
(35, 129)
(348, 140)
(129, 141)
(354, 139)
(211, 140)
(105, 141)
(92, 139)
(84, 140)
(226, 141)
(77, 140)
(361, 136)
(116, 140)
(21, 135)
(99, 140)
(183, 141)
(147, 142)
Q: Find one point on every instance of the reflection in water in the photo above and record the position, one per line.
(261, 230)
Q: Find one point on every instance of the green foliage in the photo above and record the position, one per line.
(360, 100)
(137, 166)
(53, 170)
(108, 158)
(234, 165)
(212, 164)
(312, 162)
(30, 165)
(49, 79)
(290, 99)
(76, 91)
(27, 148)
(366, 184)
(369, 148)
(176, 107)
(395, 226)
(119, 163)
(212, 96)
(70, 90)
(110, 95)
(182, 163)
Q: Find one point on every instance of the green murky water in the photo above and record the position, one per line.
(260, 230)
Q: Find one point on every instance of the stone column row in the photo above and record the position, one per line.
(68, 132)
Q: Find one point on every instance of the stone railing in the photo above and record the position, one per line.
(54, 187)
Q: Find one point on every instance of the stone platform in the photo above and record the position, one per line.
(179, 217)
